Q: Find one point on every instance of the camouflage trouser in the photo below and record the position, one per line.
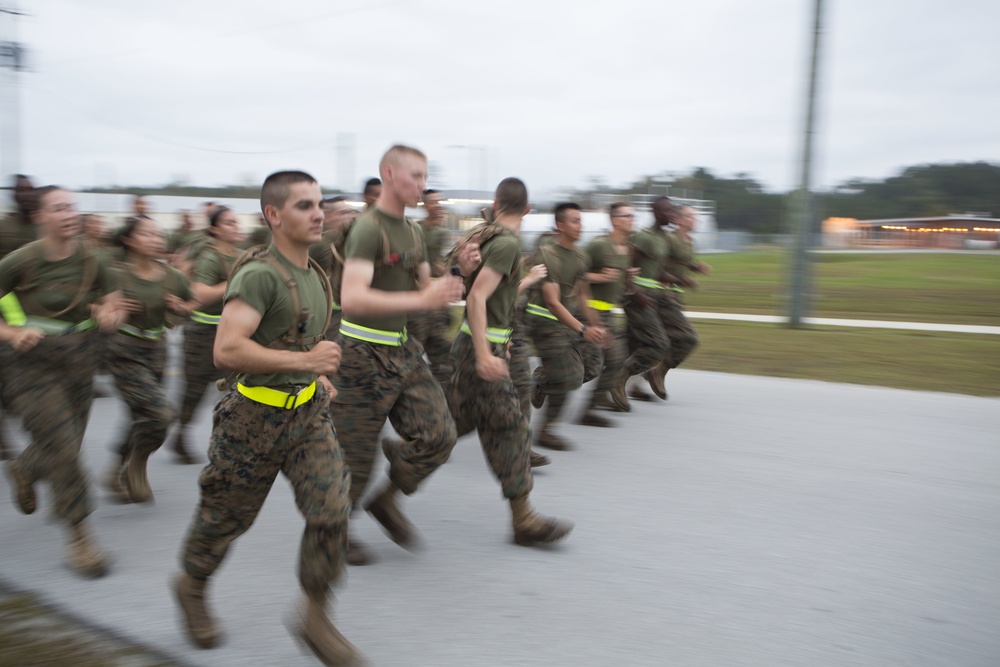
(137, 367)
(568, 361)
(250, 444)
(376, 382)
(100, 347)
(333, 331)
(494, 410)
(648, 342)
(51, 387)
(6, 357)
(683, 338)
(520, 363)
(199, 367)
(615, 355)
(432, 330)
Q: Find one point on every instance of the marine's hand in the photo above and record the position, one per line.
(537, 273)
(596, 335)
(610, 274)
(469, 258)
(330, 389)
(633, 272)
(109, 316)
(177, 306)
(491, 369)
(324, 358)
(442, 292)
(26, 338)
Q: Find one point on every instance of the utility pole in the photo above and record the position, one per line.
(802, 208)
(12, 61)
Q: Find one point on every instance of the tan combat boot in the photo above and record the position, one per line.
(655, 378)
(603, 402)
(530, 527)
(539, 460)
(358, 554)
(317, 631)
(135, 479)
(180, 448)
(24, 491)
(383, 509)
(201, 627)
(113, 483)
(537, 395)
(638, 393)
(619, 397)
(591, 418)
(546, 438)
(84, 555)
(6, 452)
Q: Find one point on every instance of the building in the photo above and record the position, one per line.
(954, 231)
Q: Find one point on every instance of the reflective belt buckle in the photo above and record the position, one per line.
(290, 400)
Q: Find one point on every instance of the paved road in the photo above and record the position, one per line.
(861, 324)
(749, 521)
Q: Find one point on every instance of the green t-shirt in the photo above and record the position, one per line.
(197, 246)
(565, 267)
(653, 248)
(212, 268)
(15, 231)
(602, 254)
(260, 285)
(180, 239)
(261, 235)
(45, 288)
(434, 237)
(681, 257)
(502, 253)
(322, 254)
(395, 271)
(152, 293)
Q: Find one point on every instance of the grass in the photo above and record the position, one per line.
(951, 288)
(33, 635)
(956, 363)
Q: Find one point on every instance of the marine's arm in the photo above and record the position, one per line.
(235, 349)
(489, 367)
(359, 298)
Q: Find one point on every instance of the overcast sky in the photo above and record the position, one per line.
(554, 92)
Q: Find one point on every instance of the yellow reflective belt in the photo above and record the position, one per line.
(674, 288)
(147, 334)
(600, 305)
(532, 309)
(493, 334)
(377, 336)
(647, 282)
(335, 306)
(205, 318)
(58, 327)
(11, 311)
(275, 398)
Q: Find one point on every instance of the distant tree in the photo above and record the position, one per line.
(921, 191)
